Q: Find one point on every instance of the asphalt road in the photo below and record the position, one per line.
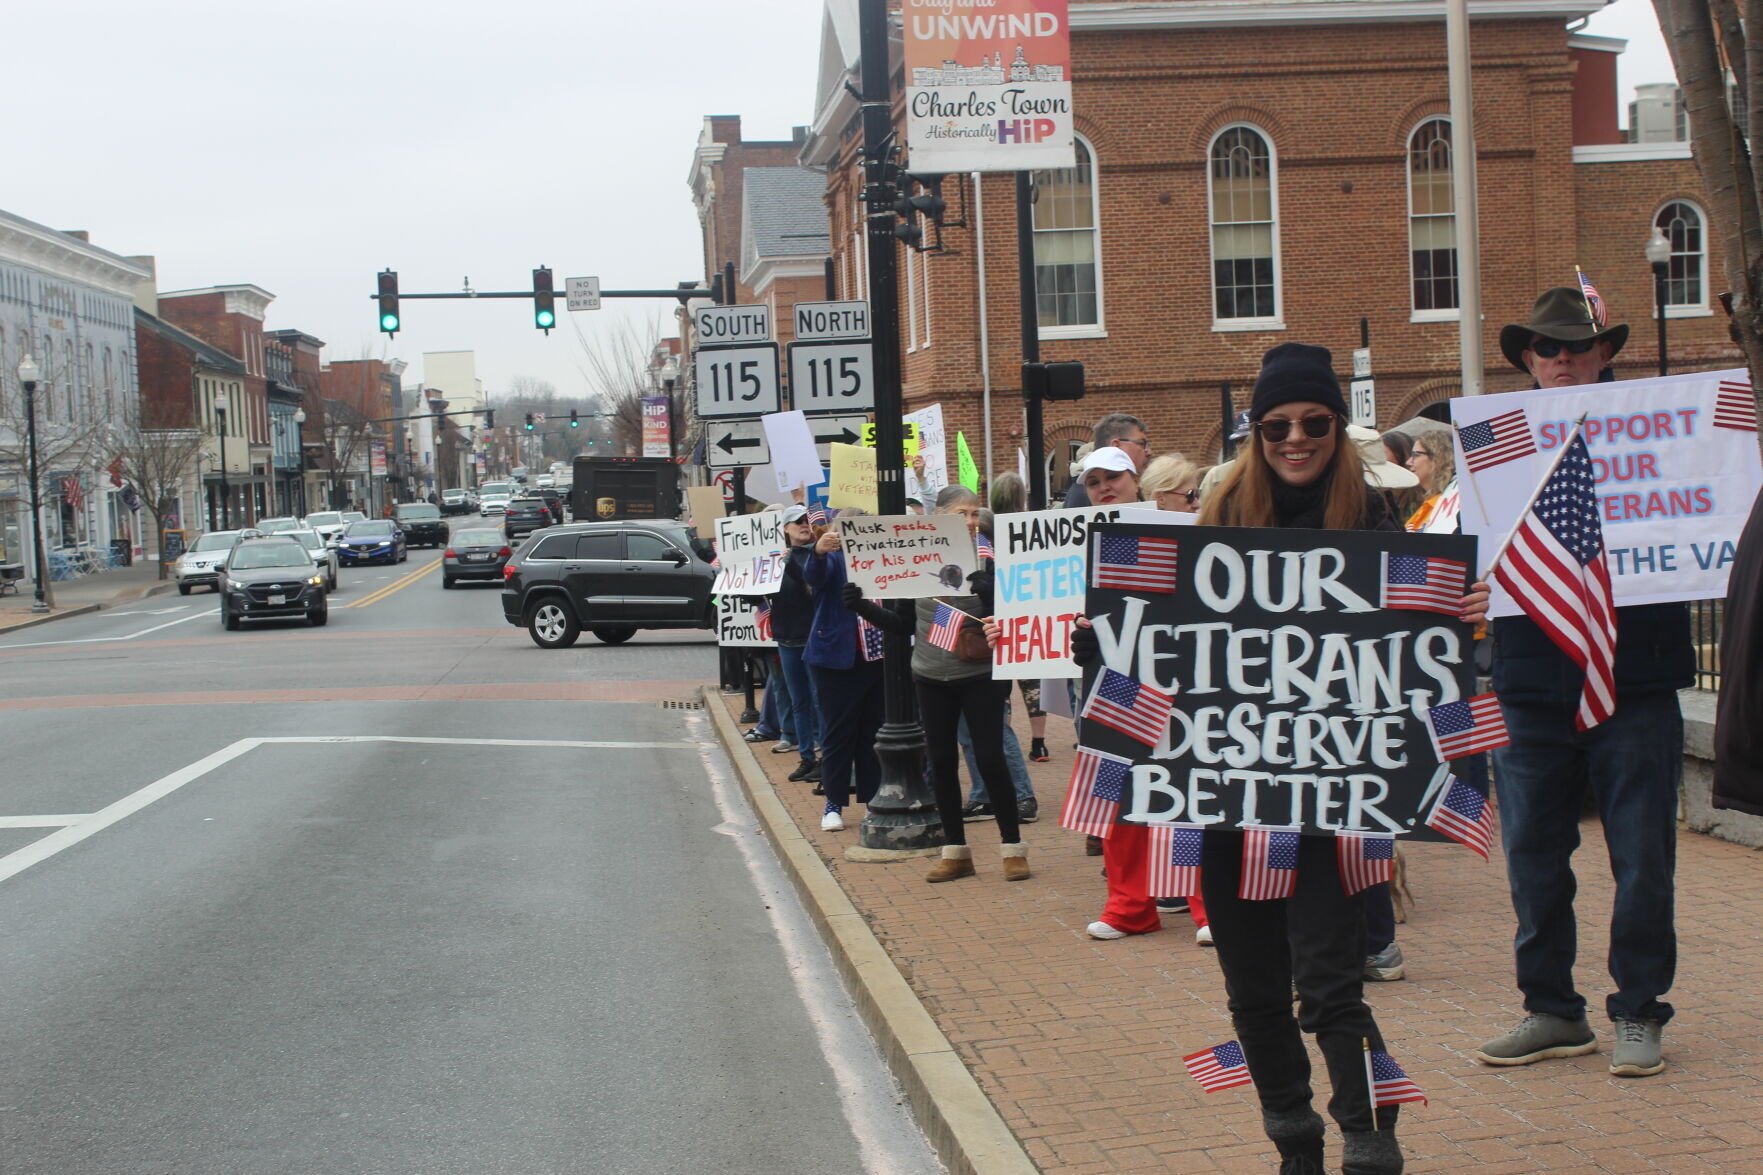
(402, 894)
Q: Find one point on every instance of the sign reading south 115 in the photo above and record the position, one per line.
(833, 377)
(736, 381)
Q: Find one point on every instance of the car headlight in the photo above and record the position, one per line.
(383, 543)
(316, 581)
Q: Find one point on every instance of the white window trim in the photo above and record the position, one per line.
(924, 280)
(1073, 332)
(1099, 328)
(1687, 310)
(1414, 314)
(1232, 325)
(1427, 315)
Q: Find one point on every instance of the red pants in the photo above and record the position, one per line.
(1126, 856)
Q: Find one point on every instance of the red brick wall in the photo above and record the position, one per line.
(167, 395)
(1594, 98)
(722, 234)
(239, 335)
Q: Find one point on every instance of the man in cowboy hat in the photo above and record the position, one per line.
(1632, 762)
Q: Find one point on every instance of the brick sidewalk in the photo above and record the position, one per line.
(1079, 1043)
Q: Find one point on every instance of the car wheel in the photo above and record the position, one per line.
(229, 620)
(317, 619)
(331, 584)
(551, 624)
(183, 589)
(615, 634)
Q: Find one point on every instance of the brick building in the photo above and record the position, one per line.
(183, 378)
(1269, 171)
(231, 319)
(305, 372)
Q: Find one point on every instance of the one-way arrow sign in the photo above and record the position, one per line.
(737, 444)
(836, 430)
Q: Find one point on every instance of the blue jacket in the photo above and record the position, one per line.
(832, 642)
(1653, 655)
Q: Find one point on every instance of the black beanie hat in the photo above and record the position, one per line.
(1293, 372)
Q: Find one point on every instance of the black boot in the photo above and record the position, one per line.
(1298, 1135)
(1371, 1152)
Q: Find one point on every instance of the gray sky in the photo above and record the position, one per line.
(304, 146)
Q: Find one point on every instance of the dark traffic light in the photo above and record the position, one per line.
(529, 422)
(388, 298)
(544, 302)
(489, 418)
(573, 422)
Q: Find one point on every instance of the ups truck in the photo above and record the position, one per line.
(613, 489)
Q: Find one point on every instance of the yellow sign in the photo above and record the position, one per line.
(911, 446)
(851, 480)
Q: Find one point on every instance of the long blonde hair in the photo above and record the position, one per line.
(1244, 497)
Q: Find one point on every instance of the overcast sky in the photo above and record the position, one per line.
(305, 146)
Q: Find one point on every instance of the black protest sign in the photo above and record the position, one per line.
(1301, 664)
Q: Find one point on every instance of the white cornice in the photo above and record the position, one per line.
(1631, 152)
(1160, 14)
(243, 298)
(759, 276)
(1597, 44)
(68, 258)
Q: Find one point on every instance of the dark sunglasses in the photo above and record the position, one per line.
(1549, 348)
(1275, 431)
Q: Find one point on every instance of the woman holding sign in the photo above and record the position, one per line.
(846, 666)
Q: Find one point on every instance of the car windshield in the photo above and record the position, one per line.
(219, 541)
(369, 530)
(308, 539)
(255, 555)
(493, 487)
(452, 495)
(354, 516)
(419, 512)
(278, 525)
(478, 538)
(330, 519)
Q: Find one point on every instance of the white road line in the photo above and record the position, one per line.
(487, 742)
(110, 640)
(42, 821)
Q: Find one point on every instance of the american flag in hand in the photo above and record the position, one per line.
(945, 627)
(762, 618)
(1366, 858)
(1098, 785)
(871, 640)
(817, 514)
(1222, 1066)
(982, 543)
(1270, 863)
(1594, 302)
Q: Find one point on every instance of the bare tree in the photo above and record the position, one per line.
(155, 456)
(347, 436)
(616, 365)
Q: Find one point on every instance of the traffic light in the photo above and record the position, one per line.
(529, 422)
(544, 303)
(388, 298)
(489, 418)
(573, 422)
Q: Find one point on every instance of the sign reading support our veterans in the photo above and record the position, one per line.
(1303, 667)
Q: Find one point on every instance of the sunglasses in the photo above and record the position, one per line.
(1275, 431)
(1191, 497)
(1549, 348)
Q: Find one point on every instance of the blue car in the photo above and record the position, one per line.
(373, 541)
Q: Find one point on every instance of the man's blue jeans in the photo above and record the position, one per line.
(805, 706)
(1633, 762)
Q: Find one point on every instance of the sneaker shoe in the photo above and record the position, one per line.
(832, 821)
(1637, 1049)
(1172, 905)
(976, 811)
(1103, 931)
(1537, 1038)
(1037, 751)
(1027, 811)
(1203, 936)
(1386, 966)
(784, 747)
(802, 770)
(758, 736)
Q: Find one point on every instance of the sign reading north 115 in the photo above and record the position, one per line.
(737, 381)
(833, 377)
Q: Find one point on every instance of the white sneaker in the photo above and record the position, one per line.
(832, 822)
(1203, 936)
(1103, 930)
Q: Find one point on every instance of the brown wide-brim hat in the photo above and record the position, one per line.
(1559, 314)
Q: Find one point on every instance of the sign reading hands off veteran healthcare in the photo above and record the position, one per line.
(1303, 668)
(1676, 466)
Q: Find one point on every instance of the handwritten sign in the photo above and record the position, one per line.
(706, 506)
(908, 556)
(851, 481)
(738, 625)
(750, 550)
(909, 442)
(932, 447)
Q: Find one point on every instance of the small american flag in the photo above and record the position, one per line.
(1390, 1086)
(871, 639)
(1098, 785)
(1270, 863)
(945, 627)
(1222, 1066)
(1175, 860)
(1366, 858)
(1735, 407)
(1131, 707)
(762, 619)
(1496, 440)
(1594, 302)
(1463, 814)
(817, 514)
(1135, 563)
(1467, 726)
(1421, 583)
(982, 543)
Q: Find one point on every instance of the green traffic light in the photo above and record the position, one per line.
(545, 319)
(388, 322)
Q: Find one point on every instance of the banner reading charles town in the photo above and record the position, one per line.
(1676, 465)
(988, 87)
(1287, 678)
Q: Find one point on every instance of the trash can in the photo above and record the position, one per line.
(122, 553)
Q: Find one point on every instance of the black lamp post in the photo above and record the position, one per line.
(28, 375)
(1658, 252)
(226, 518)
(669, 377)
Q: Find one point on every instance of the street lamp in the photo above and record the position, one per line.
(669, 377)
(1658, 252)
(226, 519)
(28, 375)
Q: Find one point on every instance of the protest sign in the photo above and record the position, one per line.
(1299, 667)
(793, 458)
(933, 450)
(705, 506)
(1675, 461)
(908, 556)
(908, 439)
(750, 551)
(851, 481)
(739, 623)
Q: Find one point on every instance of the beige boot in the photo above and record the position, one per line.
(957, 862)
(1016, 862)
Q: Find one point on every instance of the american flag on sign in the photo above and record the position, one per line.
(1557, 571)
(982, 543)
(1222, 1066)
(1496, 440)
(870, 640)
(1468, 726)
(1366, 858)
(1135, 563)
(1463, 814)
(1131, 707)
(1594, 302)
(1421, 583)
(1098, 785)
(1270, 863)
(1175, 860)
(945, 627)
(762, 619)
(1390, 1086)
(1735, 407)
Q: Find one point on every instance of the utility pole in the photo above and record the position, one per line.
(1463, 196)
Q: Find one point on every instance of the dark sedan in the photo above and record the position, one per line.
(373, 541)
(475, 553)
(421, 523)
(525, 515)
(271, 579)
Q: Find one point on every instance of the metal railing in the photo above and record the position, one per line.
(1705, 623)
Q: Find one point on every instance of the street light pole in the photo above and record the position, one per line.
(226, 492)
(1658, 252)
(28, 376)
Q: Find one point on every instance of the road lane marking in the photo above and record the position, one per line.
(105, 640)
(396, 585)
(42, 821)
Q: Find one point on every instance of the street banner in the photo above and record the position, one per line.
(749, 553)
(655, 432)
(376, 458)
(1039, 562)
(908, 556)
(988, 89)
(1676, 466)
(851, 481)
(738, 623)
(933, 450)
(1307, 688)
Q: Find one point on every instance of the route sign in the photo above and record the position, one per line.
(736, 444)
(583, 292)
(836, 430)
(828, 378)
(822, 321)
(728, 326)
(736, 381)
(1363, 408)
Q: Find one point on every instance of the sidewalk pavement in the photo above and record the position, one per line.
(1078, 1043)
(88, 593)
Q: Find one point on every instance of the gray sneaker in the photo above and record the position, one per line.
(1537, 1038)
(1386, 966)
(1637, 1049)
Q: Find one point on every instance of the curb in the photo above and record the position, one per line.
(61, 614)
(963, 1126)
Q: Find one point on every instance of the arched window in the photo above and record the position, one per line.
(1243, 198)
(1682, 223)
(1432, 220)
(1068, 247)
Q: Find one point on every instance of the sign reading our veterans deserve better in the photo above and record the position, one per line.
(1302, 669)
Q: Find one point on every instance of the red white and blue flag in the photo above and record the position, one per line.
(1098, 785)
(1464, 815)
(1735, 407)
(1366, 858)
(1222, 1066)
(817, 514)
(1131, 707)
(1421, 583)
(870, 637)
(1140, 563)
(1390, 1086)
(1496, 440)
(762, 618)
(1175, 860)
(982, 543)
(1270, 863)
(1467, 726)
(1594, 301)
(945, 627)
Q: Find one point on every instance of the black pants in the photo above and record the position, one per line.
(851, 712)
(1315, 937)
(941, 706)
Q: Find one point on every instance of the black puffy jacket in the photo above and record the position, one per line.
(792, 609)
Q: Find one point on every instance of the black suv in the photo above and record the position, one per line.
(610, 578)
(421, 523)
(553, 499)
(525, 515)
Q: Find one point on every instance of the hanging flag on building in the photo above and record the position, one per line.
(71, 493)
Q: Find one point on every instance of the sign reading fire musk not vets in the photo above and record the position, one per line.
(1300, 665)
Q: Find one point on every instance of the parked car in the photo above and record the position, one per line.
(545, 480)
(271, 579)
(322, 554)
(476, 552)
(279, 525)
(525, 515)
(457, 502)
(328, 523)
(371, 541)
(611, 578)
(421, 523)
(354, 516)
(199, 565)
